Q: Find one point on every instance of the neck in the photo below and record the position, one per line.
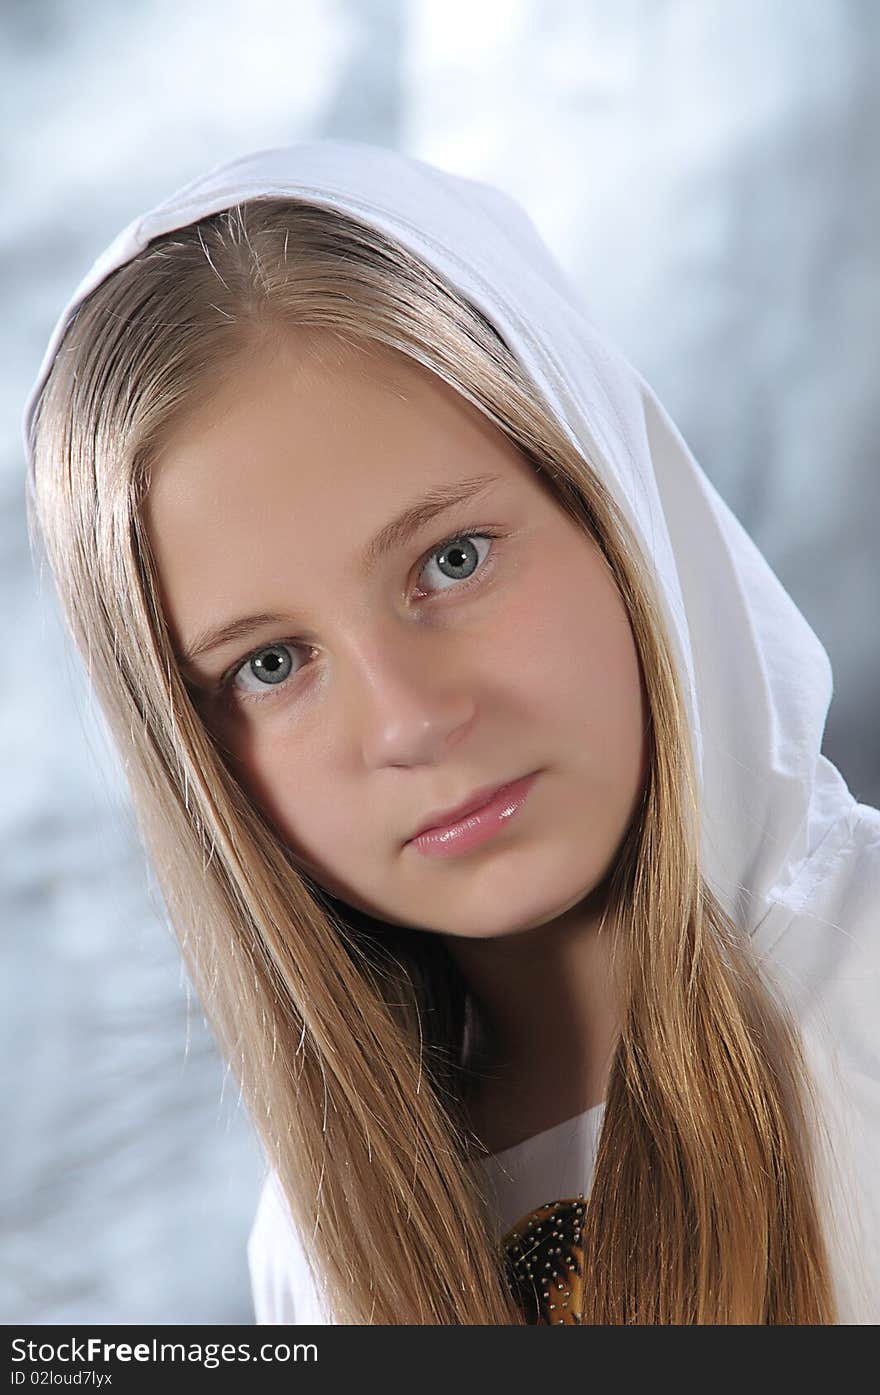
(543, 1024)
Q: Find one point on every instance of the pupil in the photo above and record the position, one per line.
(456, 556)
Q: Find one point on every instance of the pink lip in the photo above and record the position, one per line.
(486, 812)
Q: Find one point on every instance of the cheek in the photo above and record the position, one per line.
(565, 637)
(527, 649)
(613, 703)
(287, 779)
(321, 832)
(566, 648)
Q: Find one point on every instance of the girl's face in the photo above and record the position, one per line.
(415, 619)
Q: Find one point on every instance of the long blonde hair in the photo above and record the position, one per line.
(346, 1034)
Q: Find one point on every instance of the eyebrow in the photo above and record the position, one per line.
(391, 535)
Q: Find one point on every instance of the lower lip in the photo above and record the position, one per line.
(478, 827)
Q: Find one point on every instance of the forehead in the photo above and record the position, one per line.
(302, 428)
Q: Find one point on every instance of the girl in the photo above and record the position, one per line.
(477, 751)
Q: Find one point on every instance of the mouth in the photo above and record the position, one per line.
(478, 817)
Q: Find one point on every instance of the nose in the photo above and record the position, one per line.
(410, 695)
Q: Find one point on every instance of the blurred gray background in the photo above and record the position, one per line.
(706, 169)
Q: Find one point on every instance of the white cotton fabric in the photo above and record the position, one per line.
(787, 849)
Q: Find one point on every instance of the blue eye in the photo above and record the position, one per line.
(269, 667)
(459, 559)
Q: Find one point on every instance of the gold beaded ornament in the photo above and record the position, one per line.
(545, 1261)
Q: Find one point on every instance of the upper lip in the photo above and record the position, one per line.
(439, 818)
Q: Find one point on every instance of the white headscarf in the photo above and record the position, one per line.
(786, 847)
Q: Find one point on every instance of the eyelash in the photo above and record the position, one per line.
(224, 686)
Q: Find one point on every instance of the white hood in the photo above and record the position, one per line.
(787, 849)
